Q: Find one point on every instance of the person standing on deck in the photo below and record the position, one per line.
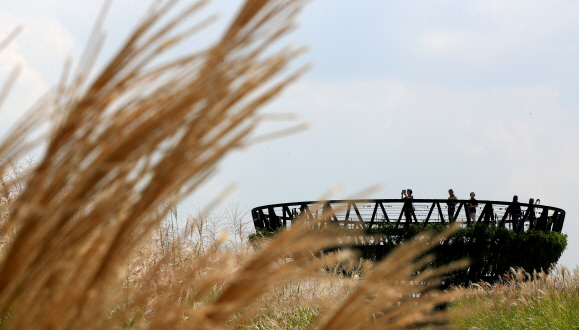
(515, 211)
(408, 208)
(451, 206)
(472, 205)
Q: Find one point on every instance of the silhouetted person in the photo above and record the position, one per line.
(515, 211)
(408, 208)
(471, 207)
(451, 205)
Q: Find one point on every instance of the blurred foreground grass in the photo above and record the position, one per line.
(83, 246)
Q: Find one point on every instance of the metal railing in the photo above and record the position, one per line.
(365, 214)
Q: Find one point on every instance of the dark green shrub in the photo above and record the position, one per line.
(492, 249)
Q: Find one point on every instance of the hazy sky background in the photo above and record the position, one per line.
(472, 95)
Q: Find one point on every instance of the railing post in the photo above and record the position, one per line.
(361, 224)
(489, 212)
(542, 221)
(414, 214)
(258, 222)
(328, 212)
(287, 215)
(562, 220)
(525, 217)
(274, 220)
(376, 213)
(346, 218)
(430, 212)
(507, 210)
(555, 221)
(558, 222)
(455, 215)
(373, 215)
(307, 214)
(440, 212)
(263, 218)
(400, 216)
(384, 211)
(468, 219)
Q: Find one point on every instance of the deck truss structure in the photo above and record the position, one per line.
(365, 214)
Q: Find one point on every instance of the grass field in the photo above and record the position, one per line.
(523, 301)
(289, 290)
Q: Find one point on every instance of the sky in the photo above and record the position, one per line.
(476, 96)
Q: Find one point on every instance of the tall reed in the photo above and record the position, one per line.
(135, 136)
(124, 146)
(287, 283)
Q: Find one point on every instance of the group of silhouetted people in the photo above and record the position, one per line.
(514, 209)
(470, 206)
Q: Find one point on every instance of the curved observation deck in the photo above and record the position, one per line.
(364, 214)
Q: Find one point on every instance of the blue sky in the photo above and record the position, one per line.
(471, 95)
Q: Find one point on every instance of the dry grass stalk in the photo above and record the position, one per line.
(123, 143)
(220, 285)
(398, 292)
(218, 289)
(135, 140)
(518, 284)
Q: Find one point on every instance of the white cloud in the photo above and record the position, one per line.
(501, 30)
(28, 87)
(497, 123)
(442, 40)
(524, 16)
(39, 51)
(497, 141)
